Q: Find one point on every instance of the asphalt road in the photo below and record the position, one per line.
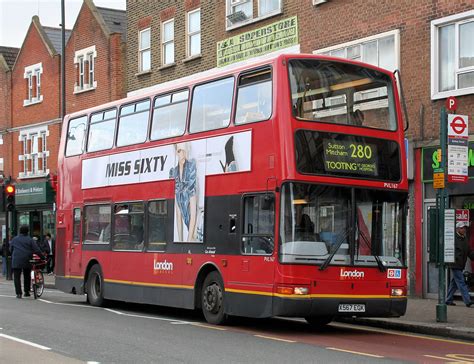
(62, 328)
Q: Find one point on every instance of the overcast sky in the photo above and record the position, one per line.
(15, 16)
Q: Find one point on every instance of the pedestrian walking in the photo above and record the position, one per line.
(461, 252)
(22, 248)
(51, 243)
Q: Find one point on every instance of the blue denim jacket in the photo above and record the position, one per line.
(185, 188)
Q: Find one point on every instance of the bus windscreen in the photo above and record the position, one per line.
(342, 93)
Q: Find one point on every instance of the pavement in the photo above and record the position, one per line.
(420, 318)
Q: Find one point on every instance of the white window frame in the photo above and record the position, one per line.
(395, 33)
(230, 4)
(81, 57)
(91, 77)
(456, 19)
(33, 151)
(43, 154)
(34, 70)
(190, 34)
(142, 50)
(166, 42)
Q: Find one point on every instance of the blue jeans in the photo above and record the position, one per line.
(457, 281)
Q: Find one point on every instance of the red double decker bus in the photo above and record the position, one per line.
(274, 188)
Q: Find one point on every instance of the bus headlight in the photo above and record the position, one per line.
(398, 292)
(292, 290)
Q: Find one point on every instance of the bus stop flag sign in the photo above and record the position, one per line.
(458, 136)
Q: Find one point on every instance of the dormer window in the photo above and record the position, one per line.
(32, 77)
(84, 60)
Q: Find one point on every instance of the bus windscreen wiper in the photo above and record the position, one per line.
(377, 258)
(337, 246)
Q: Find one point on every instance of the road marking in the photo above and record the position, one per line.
(25, 342)
(208, 326)
(356, 352)
(146, 317)
(454, 358)
(403, 334)
(275, 338)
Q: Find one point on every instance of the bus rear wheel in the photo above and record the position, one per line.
(95, 286)
(212, 299)
(318, 322)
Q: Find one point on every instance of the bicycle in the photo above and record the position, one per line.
(37, 278)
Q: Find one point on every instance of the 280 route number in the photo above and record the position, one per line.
(361, 151)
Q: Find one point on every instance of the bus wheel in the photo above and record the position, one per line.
(95, 286)
(212, 298)
(318, 321)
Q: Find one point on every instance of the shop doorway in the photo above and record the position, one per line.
(39, 222)
(430, 270)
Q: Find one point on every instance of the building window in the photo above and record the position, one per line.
(84, 60)
(381, 50)
(44, 152)
(33, 84)
(34, 155)
(241, 12)
(168, 42)
(193, 33)
(90, 62)
(81, 73)
(144, 50)
(452, 55)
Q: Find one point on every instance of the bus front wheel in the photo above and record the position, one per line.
(212, 299)
(95, 286)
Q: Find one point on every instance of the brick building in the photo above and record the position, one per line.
(94, 60)
(95, 57)
(36, 126)
(7, 60)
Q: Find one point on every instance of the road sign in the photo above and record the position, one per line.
(451, 103)
(457, 126)
(449, 235)
(438, 180)
(458, 135)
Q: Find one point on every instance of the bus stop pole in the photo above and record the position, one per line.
(441, 308)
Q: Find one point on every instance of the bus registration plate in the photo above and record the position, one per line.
(351, 307)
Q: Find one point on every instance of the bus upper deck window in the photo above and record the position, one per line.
(101, 130)
(76, 133)
(169, 115)
(133, 123)
(211, 105)
(254, 97)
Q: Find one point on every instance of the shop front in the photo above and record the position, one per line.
(461, 196)
(35, 207)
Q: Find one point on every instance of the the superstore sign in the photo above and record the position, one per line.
(431, 162)
(257, 42)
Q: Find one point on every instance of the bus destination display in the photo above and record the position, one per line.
(350, 157)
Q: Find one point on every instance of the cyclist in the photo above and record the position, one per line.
(22, 248)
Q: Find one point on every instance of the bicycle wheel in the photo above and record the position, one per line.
(38, 287)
